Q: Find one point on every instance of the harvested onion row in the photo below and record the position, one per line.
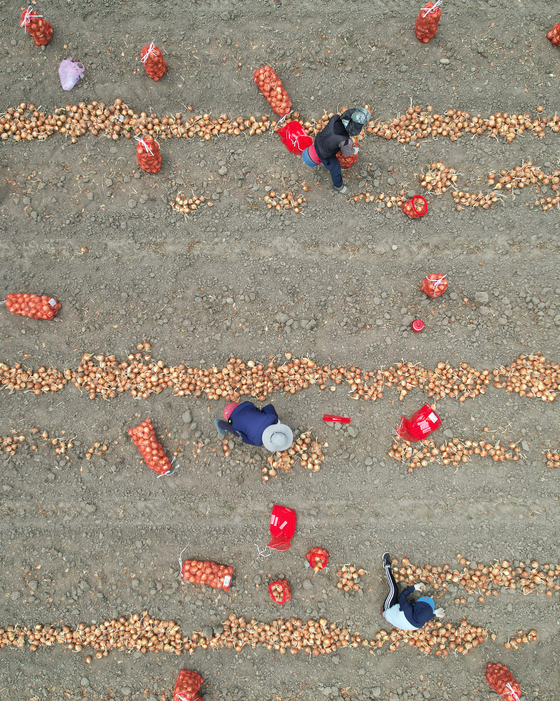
(486, 580)
(310, 453)
(388, 201)
(530, 376)
(10, 444)
(285, 200)
(188, 205)
(519, 638)
(453, 452)
(16, 377)
(553, 458)
(348, 576)
(438, 178)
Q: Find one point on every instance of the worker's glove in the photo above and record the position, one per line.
(440, 613)
(419, 587)
(356, 149)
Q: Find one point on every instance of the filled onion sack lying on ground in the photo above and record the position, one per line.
(502, 681)
(144, 438)
(187, 685)
(39, 28)
(415, 207)
(318, 558)
(148, 155)
(280, 591)
(33, 306)
(154, 63)
(426, 25)
(271, 87)
(554, 35)
(206, 572)
(434, 285)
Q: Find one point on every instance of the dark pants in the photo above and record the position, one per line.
(333, 166)
(393, 595)
(227, 427)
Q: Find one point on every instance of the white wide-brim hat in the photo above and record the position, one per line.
(277, 437)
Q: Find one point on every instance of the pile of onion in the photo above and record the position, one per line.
(144, 438)
(502, 681)
(209, 573)
(348, 576)
(33, 306)
(187, 685)
(271, 87)
(39, 28)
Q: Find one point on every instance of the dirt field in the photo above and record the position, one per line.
(87, 538)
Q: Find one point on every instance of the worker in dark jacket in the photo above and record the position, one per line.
(397, 609)
(337, 136)
(255, 426)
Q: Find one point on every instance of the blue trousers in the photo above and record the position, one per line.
(333, 166)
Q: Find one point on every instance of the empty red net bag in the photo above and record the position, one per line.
(502, 681)
(415, 207)
(434, 285)
(271, 87)
(294, 137)
(209, 573)
(426, 25)
(154, 63)
(421, 424)
(33, 306)
(318, 558)
(187, 685)
(148, 155)
(144, 438)
(554, 35)
(280, 591)
(39, 28)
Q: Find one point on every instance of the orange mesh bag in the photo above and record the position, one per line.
(206, 572)
(415, 207)
(187, 685)
(554, 35)
(426, 25)
(39, 28)
(144, 438)
(346, 161)
(318, 558)
(502, 681)
(33, 306)
(271, 87)
(280, 591)
(154, 63)
(148, 155)
(434, 285)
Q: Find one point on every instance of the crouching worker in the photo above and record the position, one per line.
(255, 426)
(398, 611)
(337, 136)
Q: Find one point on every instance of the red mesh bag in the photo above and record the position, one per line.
(346, 161)
(294, 137)
(434, 285)
(154, 63)
(426, 25)
(271, 87)
(502, 681)
(187, 685)
(554, 35)
(282, 527)
(33, 306)
(318, 558)
(421, 424)
(39, 28)
(415, 207)
(144, 438)
(280, 591)
(209, 573)
(148, 155)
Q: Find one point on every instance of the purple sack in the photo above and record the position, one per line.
(70, 73)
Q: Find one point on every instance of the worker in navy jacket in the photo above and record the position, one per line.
(334, 137)
(255, 426)
(399, 611)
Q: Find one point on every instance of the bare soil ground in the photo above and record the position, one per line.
(86, 540)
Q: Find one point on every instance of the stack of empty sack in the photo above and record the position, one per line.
(148, 155)
(187, 685)
(271, 87)
(33, 306)
(209, 573)
(144, 437)
(39, 28)
(154, 63)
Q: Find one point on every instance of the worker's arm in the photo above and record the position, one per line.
(270, 410)
(404, 606)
